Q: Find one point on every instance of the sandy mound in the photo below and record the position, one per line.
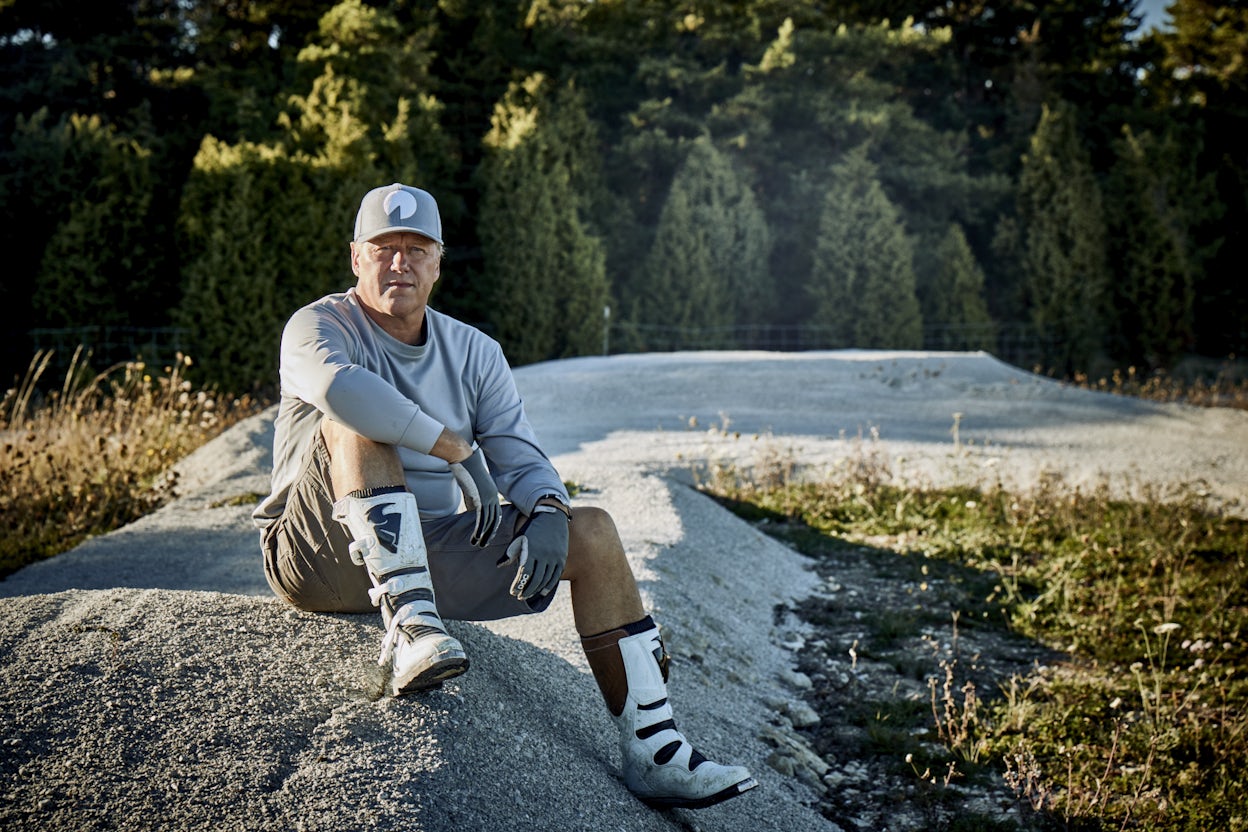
(148, 680)
(136, 709)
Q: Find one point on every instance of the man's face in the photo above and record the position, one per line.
(396, 273)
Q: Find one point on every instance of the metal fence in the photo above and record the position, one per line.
(107, 345)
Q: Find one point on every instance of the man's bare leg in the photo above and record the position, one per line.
(629, 662)
(604, 592)
(359, 464)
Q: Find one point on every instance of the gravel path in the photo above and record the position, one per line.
(148, 680)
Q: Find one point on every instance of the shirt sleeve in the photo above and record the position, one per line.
(316, 366)
(520, 467)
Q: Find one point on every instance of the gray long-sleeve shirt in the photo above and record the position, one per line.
(336, 362)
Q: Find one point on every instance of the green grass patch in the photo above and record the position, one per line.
(1144, 722)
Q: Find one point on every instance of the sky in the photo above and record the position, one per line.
(1154, 13)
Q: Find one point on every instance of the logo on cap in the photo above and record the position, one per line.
(399, 205)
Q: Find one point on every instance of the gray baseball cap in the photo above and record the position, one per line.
(398, 208)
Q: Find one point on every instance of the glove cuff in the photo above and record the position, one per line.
(552, 502)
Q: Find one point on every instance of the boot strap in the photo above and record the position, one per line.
(399, 584)
(360, 549)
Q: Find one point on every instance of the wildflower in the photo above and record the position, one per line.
(1168, 627)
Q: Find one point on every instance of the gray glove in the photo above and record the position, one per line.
(480, 495)
(540, 552)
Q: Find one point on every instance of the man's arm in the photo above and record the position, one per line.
(521, 468)
(318, 368)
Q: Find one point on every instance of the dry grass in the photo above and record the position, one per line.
(96, 452)
(1221, 389)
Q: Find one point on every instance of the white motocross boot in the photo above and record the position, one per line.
(660, 766)
(389, 544)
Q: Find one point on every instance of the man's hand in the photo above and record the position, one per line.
(480, 495)
(540, 552)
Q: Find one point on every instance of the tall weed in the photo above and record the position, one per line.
(95, 453)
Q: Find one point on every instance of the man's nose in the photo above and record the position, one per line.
(399, 262)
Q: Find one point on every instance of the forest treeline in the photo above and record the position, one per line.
(872, 171)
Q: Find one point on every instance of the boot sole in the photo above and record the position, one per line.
(433, 676)
(732, 791)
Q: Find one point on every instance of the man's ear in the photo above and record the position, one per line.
(355, 262)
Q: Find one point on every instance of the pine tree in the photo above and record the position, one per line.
(862, 285)
(98, 267)
(820, 90)
(952, 300)
(708, 264)
(1153, 248)
(1200, 87)
(544, 265)
(265, 225)
(1064, 262)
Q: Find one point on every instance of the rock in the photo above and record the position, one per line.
(802, 715)
(796, 679)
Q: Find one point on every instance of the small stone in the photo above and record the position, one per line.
(782, 763)
(802, 715)
(797, 679)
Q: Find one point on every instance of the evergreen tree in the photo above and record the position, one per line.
(99, 265)
(1157, 258)
(265, 225)
(817, 93)
(545, 267)
(862, 285)
(1199, 86)
(1064, 262)
(239, 61)
(708, 265)
(952, 299)
(241, 255)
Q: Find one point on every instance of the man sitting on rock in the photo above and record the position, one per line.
(391, 414)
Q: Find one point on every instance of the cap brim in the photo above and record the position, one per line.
(407, 229)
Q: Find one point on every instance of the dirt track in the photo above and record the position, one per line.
(147, 680)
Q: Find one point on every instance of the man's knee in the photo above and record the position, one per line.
(357, 462)
(592, 527)
(339, 436)
(594, 545)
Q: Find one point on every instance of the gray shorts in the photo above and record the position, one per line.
(307, 565)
